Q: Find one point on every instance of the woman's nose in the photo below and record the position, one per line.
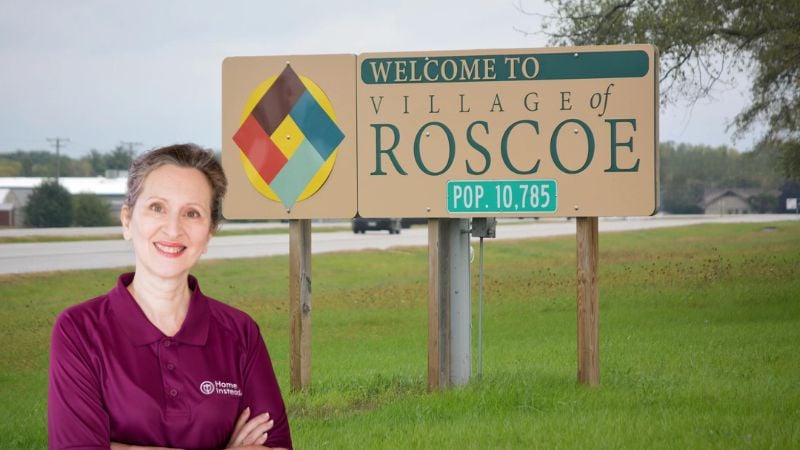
(173, 225)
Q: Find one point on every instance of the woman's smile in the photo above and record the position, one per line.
(169, 249)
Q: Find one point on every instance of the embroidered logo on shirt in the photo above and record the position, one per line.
(220, 388)
(207, 387)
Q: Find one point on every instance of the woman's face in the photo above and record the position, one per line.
(170, 224)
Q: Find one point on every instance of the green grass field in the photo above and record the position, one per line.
(699, 332)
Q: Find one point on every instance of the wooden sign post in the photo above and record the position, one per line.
(300, 303)
(588, 301)
(438, 306)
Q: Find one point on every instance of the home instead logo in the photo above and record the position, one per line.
(220, 388)
(288, 138)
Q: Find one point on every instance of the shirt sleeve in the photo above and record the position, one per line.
(261, 391)
(75, 413)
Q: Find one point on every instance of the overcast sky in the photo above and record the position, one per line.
(100, 72)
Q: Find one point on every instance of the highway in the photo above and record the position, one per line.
(75, 255)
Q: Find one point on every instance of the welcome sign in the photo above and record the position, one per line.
(564, 132)
(522, 132)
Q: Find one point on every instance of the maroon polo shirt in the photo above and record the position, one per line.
(115, 377)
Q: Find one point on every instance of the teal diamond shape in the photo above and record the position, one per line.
(290, 182)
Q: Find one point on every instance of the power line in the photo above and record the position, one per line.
(58, 141)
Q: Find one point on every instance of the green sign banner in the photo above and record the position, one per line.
(502, 196)
(511, 67)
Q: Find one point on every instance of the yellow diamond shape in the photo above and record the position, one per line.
(288, 136)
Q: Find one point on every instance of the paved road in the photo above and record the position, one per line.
(44, 257)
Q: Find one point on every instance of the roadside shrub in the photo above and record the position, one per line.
(49, 205)
(90, 210)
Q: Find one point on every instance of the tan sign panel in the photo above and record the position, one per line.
(289, 137)
(523, 132)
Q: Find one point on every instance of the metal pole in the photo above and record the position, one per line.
(480, 311)
(482, 227)
(449, 305)
(460, 304)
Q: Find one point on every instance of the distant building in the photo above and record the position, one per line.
(7, 218)
(733, 200)
(14, 193)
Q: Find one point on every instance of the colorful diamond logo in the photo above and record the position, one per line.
(288, 138)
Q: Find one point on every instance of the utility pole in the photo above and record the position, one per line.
(58, 142)
(130, 145)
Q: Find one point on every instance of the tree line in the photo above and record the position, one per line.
(40, 163)
(51, 205)
(686, 174)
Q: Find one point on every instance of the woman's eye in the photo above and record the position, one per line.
(192, 214)
(156, 207)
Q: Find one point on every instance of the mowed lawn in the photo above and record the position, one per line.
(699, 333)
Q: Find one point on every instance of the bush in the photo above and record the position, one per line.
(89, 210)
(763, 203)
(50, 205)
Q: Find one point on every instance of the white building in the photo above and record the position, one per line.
(7, 218)
(733, 200)
(14, 193)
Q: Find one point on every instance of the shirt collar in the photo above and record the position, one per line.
(138, 328)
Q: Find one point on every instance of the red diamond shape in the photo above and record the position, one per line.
(263, 154)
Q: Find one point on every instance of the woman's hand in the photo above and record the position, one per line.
(246, 434)
(250, 432)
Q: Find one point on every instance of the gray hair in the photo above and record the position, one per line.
(181, 155)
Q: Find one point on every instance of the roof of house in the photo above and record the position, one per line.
(74, 185)
(743, 193)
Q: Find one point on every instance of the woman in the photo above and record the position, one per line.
(154, 362)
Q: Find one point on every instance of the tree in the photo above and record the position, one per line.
(10, 168)
(38, 163)
(90, 210)
(683, 196)
(703, 43)
(75, 168)
(120, 158)
(33, 162)
(49, 205)
(764, 203)
(688, 172)
(98, 161)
